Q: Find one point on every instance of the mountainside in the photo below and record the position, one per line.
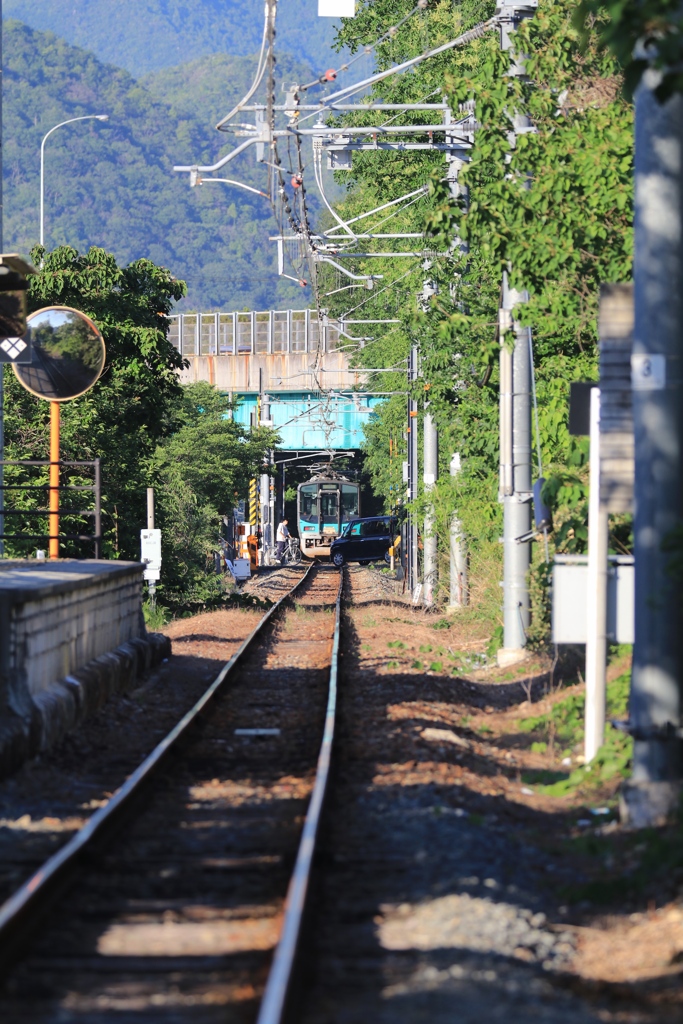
(112, 184)
(145, 35)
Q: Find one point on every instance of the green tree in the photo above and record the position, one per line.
(556, 210)
(199, 471)
(147, 429)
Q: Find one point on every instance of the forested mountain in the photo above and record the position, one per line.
(145, 35)
(112, 184)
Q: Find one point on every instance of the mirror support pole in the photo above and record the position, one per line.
(54, 479)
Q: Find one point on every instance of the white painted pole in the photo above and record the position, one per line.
(596, 603)
(459, 594)
(429, 541)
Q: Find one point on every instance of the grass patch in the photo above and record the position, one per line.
(425, 648)
(630, 866)
(417, 664)
(155, 618)
(563, 727)
(495, 643)
(436, 666)
(398, 644)
(543, 778)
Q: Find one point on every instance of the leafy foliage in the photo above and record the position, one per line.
(199, 471)
(555, 211)
(145, 427)
(641, 34)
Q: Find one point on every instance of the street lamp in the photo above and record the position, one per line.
(85, 117)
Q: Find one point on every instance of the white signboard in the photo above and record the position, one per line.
(336, 8)
(648, 372)
(569, 599)
(150, 553)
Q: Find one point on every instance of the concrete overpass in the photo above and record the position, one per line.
(302, 365)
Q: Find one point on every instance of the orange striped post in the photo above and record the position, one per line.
(54, 480)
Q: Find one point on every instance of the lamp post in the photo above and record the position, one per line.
(84, 117)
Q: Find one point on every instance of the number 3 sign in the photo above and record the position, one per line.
(648, 372)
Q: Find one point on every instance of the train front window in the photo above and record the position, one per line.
(308, 502)
(329, 507)
(349, 499)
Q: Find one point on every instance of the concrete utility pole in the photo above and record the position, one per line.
(657, 375)
(430, 473)
(429, 477)
(515, 408)
(459, 594)
(515, 477)
(413, 559)
(2, 369)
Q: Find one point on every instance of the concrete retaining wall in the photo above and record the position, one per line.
(71, 634)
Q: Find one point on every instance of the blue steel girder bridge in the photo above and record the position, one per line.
(300, 363)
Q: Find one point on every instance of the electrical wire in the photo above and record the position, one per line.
(269, 17)
(375, 294)
(331, 74)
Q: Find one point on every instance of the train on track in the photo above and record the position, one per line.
(325, 504)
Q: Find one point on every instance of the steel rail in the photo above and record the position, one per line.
(278, 986)
(21, 911)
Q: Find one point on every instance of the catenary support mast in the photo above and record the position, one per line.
(657, 372)
(515, 409)
(515, 479)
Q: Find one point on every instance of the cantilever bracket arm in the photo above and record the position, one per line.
(355, 277)
(209, 168)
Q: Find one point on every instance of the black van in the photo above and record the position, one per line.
(365, 540)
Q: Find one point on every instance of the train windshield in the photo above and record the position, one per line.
(349, 500)
(308, 502)
(329, 504)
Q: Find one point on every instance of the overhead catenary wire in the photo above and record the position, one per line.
(331, 74)
(462, 40)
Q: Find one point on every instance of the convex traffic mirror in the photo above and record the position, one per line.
(67, 354)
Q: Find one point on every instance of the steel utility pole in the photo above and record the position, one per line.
(657, 377)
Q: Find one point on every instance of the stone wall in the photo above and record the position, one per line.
(71, 634)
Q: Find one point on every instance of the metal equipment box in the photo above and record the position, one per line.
(569, 599)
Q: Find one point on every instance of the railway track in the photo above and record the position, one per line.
(182, 898)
